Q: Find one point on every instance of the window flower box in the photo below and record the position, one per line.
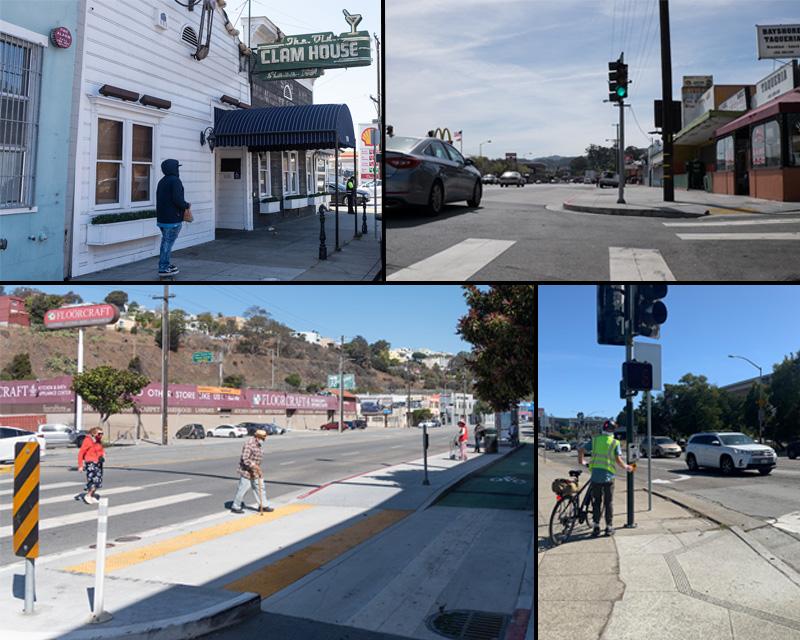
(319, 198)
(269, 205)
(295, 202)
(117, 232)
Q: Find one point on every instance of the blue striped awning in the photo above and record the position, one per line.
(311, 126)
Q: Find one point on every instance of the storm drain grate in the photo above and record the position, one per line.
(468, 625)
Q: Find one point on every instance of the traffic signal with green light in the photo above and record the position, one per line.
(617, 81)
(648, 310)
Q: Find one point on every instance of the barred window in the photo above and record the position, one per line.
(20, 84)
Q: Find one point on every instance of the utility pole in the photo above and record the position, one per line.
(341, 384)
(164, 359)
(666, 101)
(621, 144)
(629, 292)
(272, 353)
(408, 397)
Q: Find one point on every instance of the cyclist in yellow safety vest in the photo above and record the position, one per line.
(606, 452)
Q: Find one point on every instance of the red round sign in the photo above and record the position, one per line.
(61, 37)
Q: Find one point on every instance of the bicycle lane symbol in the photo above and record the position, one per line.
(510, 479)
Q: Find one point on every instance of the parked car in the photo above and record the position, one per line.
(682, 443)
(587, 447)
(251, 427)
(191, 432)
(562, 445)
(10, 436)
(729, 452)
(793, 449)
(608, 179)
(429, 173)
(362, 195)
(512, 178)
(273, 429)
(77, 437)
(332, 426)
(662, 447)
(489, 178)
(56, 434)
(227, 431)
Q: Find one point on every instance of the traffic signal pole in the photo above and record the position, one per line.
(666, 100)
(629, 295)
(621, 144)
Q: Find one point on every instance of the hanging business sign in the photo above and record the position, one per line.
(81, 316)
(693, 89)
(316, 51)
(778, 40)
(367, 151)
(737, 102)
(780, 81)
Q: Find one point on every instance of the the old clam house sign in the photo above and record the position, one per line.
(307, 55)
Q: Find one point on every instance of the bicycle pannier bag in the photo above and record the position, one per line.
(564, 487)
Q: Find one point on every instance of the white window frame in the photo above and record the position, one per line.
(293, 188)
(311, 176)
(287, 92)
(264, 166)
(129, 114)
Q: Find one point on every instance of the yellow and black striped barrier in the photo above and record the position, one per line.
(26, 499)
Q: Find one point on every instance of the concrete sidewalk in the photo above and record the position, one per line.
(290, 251)
(676, 575)
(648, 201)
(364, 552)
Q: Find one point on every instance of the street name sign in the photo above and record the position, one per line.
(202, 356)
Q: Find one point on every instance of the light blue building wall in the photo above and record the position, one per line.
(35, 240)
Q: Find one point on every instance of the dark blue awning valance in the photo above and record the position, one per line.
(311, 126)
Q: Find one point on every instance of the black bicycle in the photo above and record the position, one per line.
(569, 512)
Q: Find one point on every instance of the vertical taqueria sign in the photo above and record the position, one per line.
(88, 315)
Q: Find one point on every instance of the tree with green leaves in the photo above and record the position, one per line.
(70, 297)
(235, 380)
(177, 329)
(256, 333)
(135, 365)
(380, 358)
(206, 322)
(108, 390)
(118, 298)
(19, 368)
(420, 415)
(293, 380)
(784, 397)
(38, 304)
(358, 351)
(500, 326)
(418, 356)
(312, 387)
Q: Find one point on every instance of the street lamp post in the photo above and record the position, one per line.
(760, 406)
(480, 147)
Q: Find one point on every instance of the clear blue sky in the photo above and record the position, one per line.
(406, 316)
(531, 75)
(705, 324)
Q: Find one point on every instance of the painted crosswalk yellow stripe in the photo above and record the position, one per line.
(279, 575)
(117, 561)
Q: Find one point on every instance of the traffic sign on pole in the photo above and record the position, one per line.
(26, 512)
(202, 356)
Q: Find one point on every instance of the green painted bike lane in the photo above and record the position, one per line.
(505, 484)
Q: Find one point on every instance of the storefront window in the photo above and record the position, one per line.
(109, 161)
(794, 139)
(322, 174)
(310, 173)
(725, 154)
(264, 177)
(142, 161)
(290, 182)
(766, 139)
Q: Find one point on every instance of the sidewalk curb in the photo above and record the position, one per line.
(191, 625)
(521, 626)
(779, 565)
(644, 213)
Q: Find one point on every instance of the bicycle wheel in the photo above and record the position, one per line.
(562, 521)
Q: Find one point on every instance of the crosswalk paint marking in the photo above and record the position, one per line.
(459, 262)
(739, 236)
(57, 485)
(281, 464)
(626, 263)
(102, 492)
(731, 223)
(89, 516)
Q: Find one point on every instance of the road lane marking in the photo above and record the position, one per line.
(117, 561)
(739, 236)
(89, 516)
(57, 485)
(352, 453)
(458, 263)
(284, 463)
(626, 263)
(397, 446)
(102, 492)
(276, 576)
(730, 223)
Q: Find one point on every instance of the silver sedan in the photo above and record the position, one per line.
(429, 173)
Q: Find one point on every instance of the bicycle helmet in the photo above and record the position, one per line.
(609, 426)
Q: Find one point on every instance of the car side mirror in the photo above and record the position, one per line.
(469, 162)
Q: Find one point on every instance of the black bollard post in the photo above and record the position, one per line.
(323, 250)
(364, 218)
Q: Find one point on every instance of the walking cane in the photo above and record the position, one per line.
(260, 496)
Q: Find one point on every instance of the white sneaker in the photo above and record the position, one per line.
(95, 499)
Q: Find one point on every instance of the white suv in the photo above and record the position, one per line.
(729, 452)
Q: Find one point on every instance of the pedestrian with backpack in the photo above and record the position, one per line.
(91, 457)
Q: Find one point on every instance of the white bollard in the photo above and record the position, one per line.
(98, 615)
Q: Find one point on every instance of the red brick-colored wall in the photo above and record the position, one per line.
(723, 182)
(29, 422)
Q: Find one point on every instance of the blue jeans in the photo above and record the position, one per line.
(168, 237)
(245, 484)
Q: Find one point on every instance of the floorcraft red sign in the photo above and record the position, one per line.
(82, 316)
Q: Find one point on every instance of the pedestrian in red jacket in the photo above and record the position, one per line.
(462, 438)
(91, 457)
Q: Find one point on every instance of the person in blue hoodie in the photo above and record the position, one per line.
(170, 209)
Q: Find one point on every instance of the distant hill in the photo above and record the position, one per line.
(554, 162)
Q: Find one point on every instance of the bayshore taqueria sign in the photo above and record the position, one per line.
(307, 55)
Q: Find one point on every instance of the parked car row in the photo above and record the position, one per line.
(347, 424)
(430, 424)
(197, 431)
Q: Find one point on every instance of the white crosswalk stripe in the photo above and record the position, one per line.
(102, 492)
(739, 236)
(735, 234)
(90, 514)
(626, 264)
(459, 262)
(45, 487)
(732, 223)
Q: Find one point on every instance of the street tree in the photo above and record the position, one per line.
(135, 365)
(578, 165)
(500, 326)
(696, 405)
(70, 297)
(19, 368)
(235, 380)
(358, 351)
(293, 380)
(118, 298)
(108, 390)
(784, 396)
(37, 304)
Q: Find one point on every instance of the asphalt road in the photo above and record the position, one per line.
(772, 499)
(526, 236)
(159, 486)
